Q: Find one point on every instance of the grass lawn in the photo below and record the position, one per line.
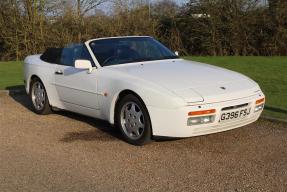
(269, 72)
(11, 74)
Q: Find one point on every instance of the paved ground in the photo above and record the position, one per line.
(67, 152)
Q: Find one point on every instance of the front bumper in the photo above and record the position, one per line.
(173, 122)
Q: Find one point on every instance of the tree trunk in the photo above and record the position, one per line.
(79, 20)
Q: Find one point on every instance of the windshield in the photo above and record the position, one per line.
(116, 51)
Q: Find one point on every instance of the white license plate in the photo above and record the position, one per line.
(236, 114)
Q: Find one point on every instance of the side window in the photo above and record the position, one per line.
(67, 57)
(81, 52)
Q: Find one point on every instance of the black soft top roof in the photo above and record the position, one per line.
(52, 55)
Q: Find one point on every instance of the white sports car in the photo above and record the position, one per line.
(142, 87)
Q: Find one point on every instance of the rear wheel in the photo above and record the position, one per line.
(38, 96)
(133, 119)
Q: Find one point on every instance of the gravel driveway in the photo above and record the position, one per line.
(68, 152)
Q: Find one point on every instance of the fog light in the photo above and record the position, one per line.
(200, 120)
(259, 108)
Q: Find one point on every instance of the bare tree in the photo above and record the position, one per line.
(202, 27)
(83, 7)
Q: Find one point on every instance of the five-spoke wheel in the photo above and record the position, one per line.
(133, 119)
(39, 97)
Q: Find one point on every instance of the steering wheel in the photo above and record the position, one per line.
(111, 58)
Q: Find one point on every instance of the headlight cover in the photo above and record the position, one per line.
(200, 120)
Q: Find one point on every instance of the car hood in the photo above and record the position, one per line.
(193, 81)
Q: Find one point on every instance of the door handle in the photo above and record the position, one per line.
(59, 72)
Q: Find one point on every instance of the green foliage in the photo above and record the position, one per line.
(200, 27)
(243, 27)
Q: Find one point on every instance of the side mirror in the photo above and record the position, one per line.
(84, 64)
(176, 53)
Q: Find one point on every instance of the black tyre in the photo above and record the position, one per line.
(38, 96)
(133, 120)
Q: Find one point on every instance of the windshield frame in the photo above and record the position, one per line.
(88, 44)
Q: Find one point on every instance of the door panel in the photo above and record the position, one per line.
(76, 87)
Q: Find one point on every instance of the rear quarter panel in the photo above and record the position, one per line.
(34, 66)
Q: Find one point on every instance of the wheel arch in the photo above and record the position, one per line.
(120, 96)
(29, 83)
(34, 76)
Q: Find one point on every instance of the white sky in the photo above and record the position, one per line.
(105, 7)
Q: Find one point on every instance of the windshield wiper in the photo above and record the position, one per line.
(147, 59)
(154, 59)
(170, 57)
(142, 59)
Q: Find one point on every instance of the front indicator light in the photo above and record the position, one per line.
(204, 112)
(259, 101)
(200, 120)
(259, 108)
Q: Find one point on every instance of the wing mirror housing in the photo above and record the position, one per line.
(84, 64)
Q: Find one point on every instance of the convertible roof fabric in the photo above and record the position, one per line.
(52, 55)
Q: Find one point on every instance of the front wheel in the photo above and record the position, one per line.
(134, 121)
(38, 96)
